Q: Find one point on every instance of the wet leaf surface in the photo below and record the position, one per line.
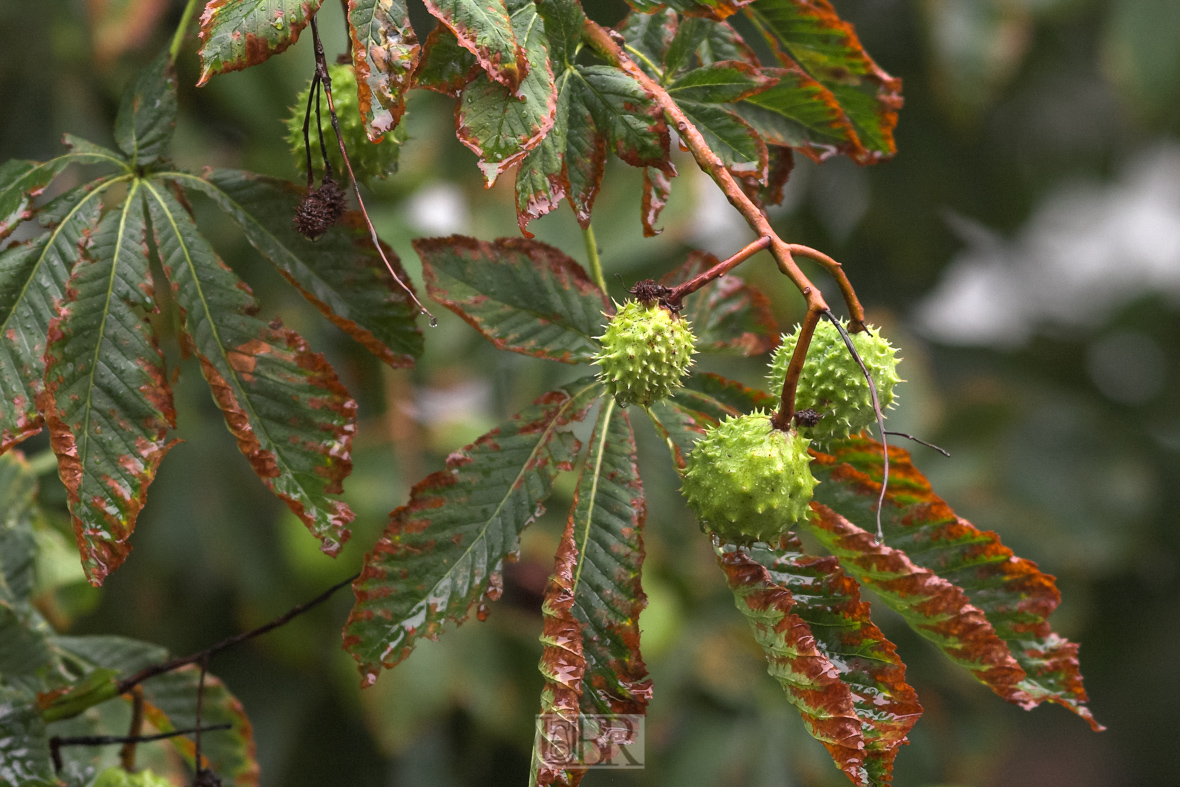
(237, 34)
(384, 53)
(147, 113)
(484, 29)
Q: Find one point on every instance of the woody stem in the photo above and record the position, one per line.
(716, 272)
(783, 419)
(856, 313)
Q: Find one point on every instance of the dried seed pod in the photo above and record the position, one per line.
(320, 209)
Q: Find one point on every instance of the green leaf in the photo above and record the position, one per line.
(292, 418)
(24, 743)
(24, 652)
(734, 141)
(721, 83)
(812, 35)
(522, 295)
(384, 53)
(340, 272)
(444, 66)
(444, 550)
(625, 114)
(237, 34)
(32, 279)
(718, 41)
(564, 23)
(1013, 594)
(811, 681)
(727, 315)
(802, 114)
(106, 397)
(18, 492)
(649, 37)
(20, 183)
(500, 125)
(483, 28)
(828, 601)
(147, 113)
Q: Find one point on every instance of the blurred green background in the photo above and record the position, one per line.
(1023, 249)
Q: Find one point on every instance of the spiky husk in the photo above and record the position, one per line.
(645, 351)
(747, 481)
(117, 777)
(833, 385)
(370, 161)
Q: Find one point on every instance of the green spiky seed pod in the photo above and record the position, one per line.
(747, 481)
(832, 383)
(645, 351)
(117, 777)
(370, 161)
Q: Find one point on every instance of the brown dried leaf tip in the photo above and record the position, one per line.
(320, 209)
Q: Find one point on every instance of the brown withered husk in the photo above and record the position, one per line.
(320, 209)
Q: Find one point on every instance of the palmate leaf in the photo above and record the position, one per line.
(106, 396)
(727, 315)
(1012, 593)
(24, 742)
(444, 66)
(800, 113)
(591, 660)
(170, 702)
(810, 33)
(147, 113)
(828, 601)
(523, 295)
(237, 34)
(340, 273)
(720, 83)
(712, 9)
(32, 279)
(384, 53)
(444, 550)
(291, 417)
(498, 124)
(20, 183)
(483, 28)
(18, 492)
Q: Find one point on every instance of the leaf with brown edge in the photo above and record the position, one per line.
(727, 315)
(501, 125)
(591, 660)
(443, 65)
(106, 397)
(444, 550)
(932, 606)
(284, 405)
(33, 278)
(811, 34)
(237, 34)
(721, 82)
(20, 183)
(384, 54)
(522, 295)
(811, 681)
(657, 189)
(800, 113)
(483, 28)
(1015, 596)
(828, 600)
(340, 273)
(736, 143)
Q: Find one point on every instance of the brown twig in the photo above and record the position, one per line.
(783, 420)
(127, 753)
(197, 766)
(57, 741)
(126, 684)
(321, 65)
(680, 291)
(856, 313)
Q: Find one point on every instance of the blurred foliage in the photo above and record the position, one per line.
(1007, 103)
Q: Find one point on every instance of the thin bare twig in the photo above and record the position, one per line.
(856, 313)
(57, 741)
(127, 753)
(942, 451)
(168, 666)
(680, 291)
(880, 418)
(321, 65)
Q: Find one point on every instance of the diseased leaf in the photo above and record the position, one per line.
(649, 36)
(727, 315)
(1015, 596)
(720, 83)
(733, 140)
(934, 607)
(713, 9)
(18, 492)
(657, 189)
(828, 601)
(483, 28)
(147, 113)
(444, 66)
(522, 295)
(237, 34)
(384, 53)
(810, 33)
(340, 272)
(721, 42)
(20, 183)
(283, 403)
(500, 125)
(626, 115)
(800, 113)
(24, 743)
(106, 396)
(32, 278)
(444, 550)
(782, 162)
(811, 681)
(564, 24)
